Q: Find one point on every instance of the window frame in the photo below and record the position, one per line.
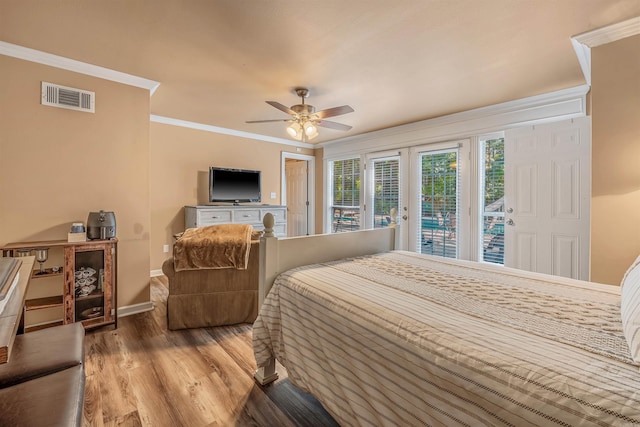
(329, 191)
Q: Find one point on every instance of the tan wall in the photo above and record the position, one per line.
(615, 202)
(179, 156)
(57, 165)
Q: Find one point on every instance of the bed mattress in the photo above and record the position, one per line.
(407, 339)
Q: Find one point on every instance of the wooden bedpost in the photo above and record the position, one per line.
(268, 263)
(266, 374)
(268, 258)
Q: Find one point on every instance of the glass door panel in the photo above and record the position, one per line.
(385, 190)
(492, 208)
(89, 279)
(438, 176)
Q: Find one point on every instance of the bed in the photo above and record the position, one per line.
(386, 338)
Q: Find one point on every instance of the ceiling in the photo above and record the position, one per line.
(394, 62)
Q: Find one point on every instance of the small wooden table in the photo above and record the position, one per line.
(11, 321)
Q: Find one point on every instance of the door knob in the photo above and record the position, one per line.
(510, 210)
(404, 217)
(510, 222)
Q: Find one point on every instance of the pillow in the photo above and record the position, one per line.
(630, 308)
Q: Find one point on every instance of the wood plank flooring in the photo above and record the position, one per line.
(142, 374)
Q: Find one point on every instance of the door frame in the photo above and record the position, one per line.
(311, 186)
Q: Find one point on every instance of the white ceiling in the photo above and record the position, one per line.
(394, 62)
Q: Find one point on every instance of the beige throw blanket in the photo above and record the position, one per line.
(213, 247)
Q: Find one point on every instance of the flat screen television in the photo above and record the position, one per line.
(234, 185)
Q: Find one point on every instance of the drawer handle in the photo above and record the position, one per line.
(215, 217)
(246, 216)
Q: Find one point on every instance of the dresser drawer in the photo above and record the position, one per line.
(213, 216)
(200, 216)
(279, 215)
(279, 230)
(246, 216)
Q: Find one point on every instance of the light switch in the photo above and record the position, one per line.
(273, 195)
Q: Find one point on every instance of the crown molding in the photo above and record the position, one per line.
(538, 109)
(68, 64)
(582, 43)
(215, 129)
(610, 33)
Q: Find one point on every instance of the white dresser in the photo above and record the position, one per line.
(199, 216)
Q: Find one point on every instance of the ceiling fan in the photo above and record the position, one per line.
(305, 119)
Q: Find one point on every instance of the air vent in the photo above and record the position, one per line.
(68, 97)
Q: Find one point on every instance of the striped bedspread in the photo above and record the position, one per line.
(402, 339)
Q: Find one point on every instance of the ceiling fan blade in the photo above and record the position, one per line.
(335, 111)
(281, 107)
(332, 125)
(268, 121)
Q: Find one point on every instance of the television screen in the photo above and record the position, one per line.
(234, 185)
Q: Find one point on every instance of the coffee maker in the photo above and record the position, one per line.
(101, 225)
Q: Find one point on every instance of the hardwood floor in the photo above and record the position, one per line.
(142, 374)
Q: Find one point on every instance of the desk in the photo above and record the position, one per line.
(11, 317)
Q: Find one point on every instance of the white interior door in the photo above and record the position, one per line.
(297, 197)
(547, 198)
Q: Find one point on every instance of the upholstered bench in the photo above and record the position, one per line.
(203, 298)
(43, 352)
(43, 381)
(52, 400)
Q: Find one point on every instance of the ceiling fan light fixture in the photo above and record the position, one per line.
(305, 120)
(311, 135)
(310, 128)
(295, 130)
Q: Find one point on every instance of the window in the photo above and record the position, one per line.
(492, 200)
(345, 193)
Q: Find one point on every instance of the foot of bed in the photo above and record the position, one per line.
(266, 374)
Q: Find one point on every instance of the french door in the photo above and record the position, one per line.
(386, 189)
(424, 185)
(439, 200)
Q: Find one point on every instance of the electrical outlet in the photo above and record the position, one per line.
(165, 248)
(273, 195)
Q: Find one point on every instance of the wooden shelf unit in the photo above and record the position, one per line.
(100, 255)
(44, 302)
(35, 274)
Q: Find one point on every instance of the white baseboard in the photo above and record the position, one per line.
(122, 312)
(135, 309)
(156, 273)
